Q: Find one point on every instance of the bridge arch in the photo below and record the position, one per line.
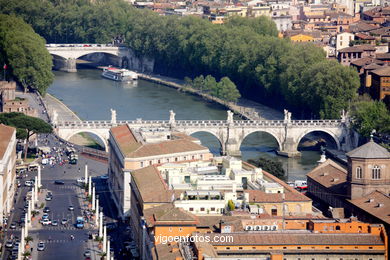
(279, 143)
(330, 133)
(101, 138)
(200, 131)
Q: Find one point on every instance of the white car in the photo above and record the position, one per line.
(28, 183)
(41, 246)
(46, 222)
(80, 180)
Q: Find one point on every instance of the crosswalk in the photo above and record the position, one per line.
(59, 228)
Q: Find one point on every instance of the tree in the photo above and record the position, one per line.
(231, 205)
(273, 167)
(198, 83)
(227, 90)
(26, 126)
(209, 84)
(370, 115)
(25, 54)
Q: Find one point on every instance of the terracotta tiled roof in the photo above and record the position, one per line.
(330, 175)
(166, 147)
(125, 139)
(6, 133)
(361, 27)
(372, 150)
(150, 185)
(168, 251)
(364, 36)
(168, 213)
(358, 48)
(376, 204)
(291, 238)
(131, 148)
(383, 72)
(367, 61)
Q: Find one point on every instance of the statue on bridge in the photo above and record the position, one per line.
(113, 116)
(54, 118)
(229, 117)
(172, 117)
(344, 116)
(287, 116)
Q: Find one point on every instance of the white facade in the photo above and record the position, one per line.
(7, 177)
(343, 40)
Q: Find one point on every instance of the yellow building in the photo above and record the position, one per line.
(302, 38)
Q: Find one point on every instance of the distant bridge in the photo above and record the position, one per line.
(230, 133)
(69, 53)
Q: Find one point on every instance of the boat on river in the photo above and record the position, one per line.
(119, 74)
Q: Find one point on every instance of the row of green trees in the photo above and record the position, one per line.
(225, 89)
(264, 67)
(26, 126)
(24, 54)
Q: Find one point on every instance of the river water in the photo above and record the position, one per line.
(91, 97)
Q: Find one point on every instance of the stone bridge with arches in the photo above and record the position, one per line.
(66, 55)
(230, 133)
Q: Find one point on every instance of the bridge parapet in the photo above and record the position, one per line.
(203, 123)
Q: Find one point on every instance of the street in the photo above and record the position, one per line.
(57, 238)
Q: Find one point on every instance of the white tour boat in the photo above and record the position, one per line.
(118, 74)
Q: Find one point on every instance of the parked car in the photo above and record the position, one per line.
(64, 221)
(46, 209)
(46, 222)
(48, 198)
(9, 243)
(41, 246)
(59, 182)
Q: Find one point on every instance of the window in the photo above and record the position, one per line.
(376, 173)
(240, 248)
(175, 159)
(227, 248)
(193, 157)
(274, 212)
(191, 209)
(212, 209)
(337, 227)
(359, 173)
(142, 164)
(170, 229)
(180, 229)
(201, 209)
(150, 162)
(159, 161)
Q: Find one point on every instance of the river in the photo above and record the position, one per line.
(91, 97)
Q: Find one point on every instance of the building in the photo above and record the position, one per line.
(380, 83)
(132, 149)
(343, 40)
(350, 54)
(361, 190)
(10, 103)
(7, 170)
(323, 239)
